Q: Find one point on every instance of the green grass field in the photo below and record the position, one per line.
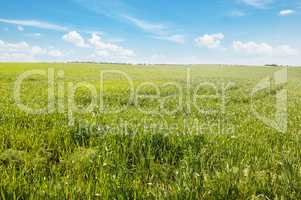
(164, 147)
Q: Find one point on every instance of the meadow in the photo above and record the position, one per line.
(184, 134)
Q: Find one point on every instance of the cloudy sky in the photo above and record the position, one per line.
(152, 31)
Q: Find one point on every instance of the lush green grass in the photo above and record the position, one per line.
(230, 155)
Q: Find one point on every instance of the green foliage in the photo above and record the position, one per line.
(41, 157)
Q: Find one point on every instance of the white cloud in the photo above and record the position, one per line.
(75, 38)
(108, 49)
(286, 12)
(55, 53)
(210, 41)
(257, 3)
(13, 46)
(36, 50)
(20, 28)
(35, 23)
(22, 51)
(100, 47)
(263, 49)
(179, 39)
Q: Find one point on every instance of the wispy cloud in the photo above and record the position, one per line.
(177, 38)
(120, 11)
(257, 3)
(109, 8)
(286, 12)
(37, 34)
(20, 28)
(159, 30)
(35, 24)
(156, 28)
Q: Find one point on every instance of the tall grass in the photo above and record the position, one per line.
(132, 155)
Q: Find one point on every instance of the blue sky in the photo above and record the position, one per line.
(152, 31)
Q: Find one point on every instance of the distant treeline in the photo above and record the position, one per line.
(275, 65)
(92, 62)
